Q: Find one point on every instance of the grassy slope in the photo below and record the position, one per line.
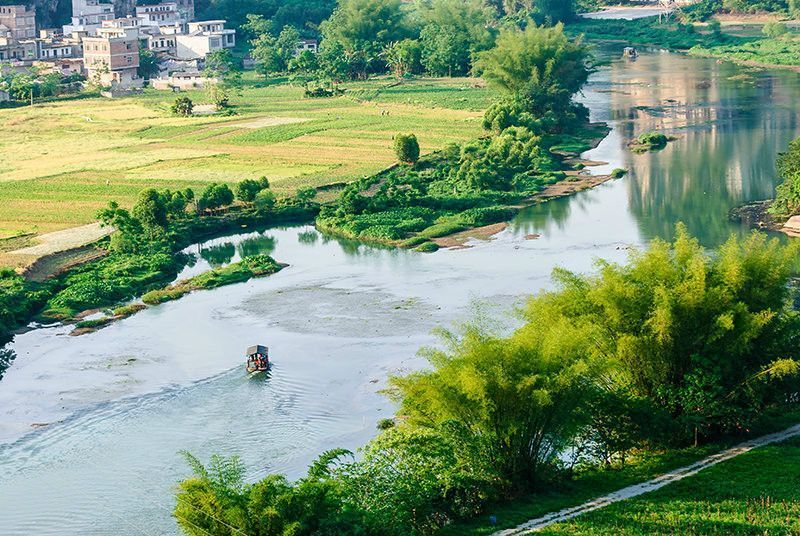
(756, 493)
(588, 485)
(68, 159)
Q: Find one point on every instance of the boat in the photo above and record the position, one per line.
(257, 359)
(630, 52)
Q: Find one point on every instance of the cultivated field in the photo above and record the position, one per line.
(60, 162)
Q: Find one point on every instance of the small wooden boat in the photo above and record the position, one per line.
(630, 52)
(257, 359)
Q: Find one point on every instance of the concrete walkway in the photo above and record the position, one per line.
(651, 485)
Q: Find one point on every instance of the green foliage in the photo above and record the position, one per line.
(304, 14)
(248, 189)
(359, 30)
(406, 147)
(774, 29)
(183, 106)
(215, 195)
(244, 270)
(516, 398)
(427, 247)
(692, 333)
(18, 300)
(787, 198)
(148, 63)
(115, 278)
(618, 173)
(274, 54)
(403, 57)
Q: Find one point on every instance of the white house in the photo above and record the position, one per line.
(203, 38)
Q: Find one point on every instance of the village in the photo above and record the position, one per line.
(102, 48)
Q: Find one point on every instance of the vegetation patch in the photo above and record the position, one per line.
(250, 267)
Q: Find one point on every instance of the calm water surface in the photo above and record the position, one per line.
(90, 427)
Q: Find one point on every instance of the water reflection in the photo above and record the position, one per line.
(218, 255)
(730, 122)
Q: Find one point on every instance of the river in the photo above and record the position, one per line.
(91, 427)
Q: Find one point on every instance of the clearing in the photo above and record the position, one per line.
(67, 159)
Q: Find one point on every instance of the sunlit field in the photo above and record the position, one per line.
(60, 162)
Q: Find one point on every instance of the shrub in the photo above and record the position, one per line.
(413, 241)
(427, 247)
(183, 106)
(618, 173)
(655, 140)
(774, 29)
(406, 148)
(442, 229)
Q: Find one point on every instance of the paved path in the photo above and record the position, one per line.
(651, 485)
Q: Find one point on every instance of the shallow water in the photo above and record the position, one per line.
(119, 404)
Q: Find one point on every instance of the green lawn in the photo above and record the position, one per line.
(755, 493)
(64, 160)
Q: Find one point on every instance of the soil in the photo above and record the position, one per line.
(459, 240)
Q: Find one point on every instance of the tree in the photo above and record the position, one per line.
(247, 190)
(274, 54)
(151, 209)
(444, 52)
(148, 63)
(536, 56)
(183, 106)
(362, 29)
(215, 196)
(402, 57)
(516, 398)
(265, 200)
(406, 148)
(453, 31)
(305, 195)
(774, 29)
(695, 334)
(223, 74)
(787, 198)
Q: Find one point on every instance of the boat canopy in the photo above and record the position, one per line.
(257, 349)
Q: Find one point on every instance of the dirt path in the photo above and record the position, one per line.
(566, 514)
(55, 245)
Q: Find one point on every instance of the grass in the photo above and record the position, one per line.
(755, 493)
(67, 159)
(255, 266)
(593, 483)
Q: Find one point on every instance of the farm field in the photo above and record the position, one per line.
(65, 160)
(755, 493)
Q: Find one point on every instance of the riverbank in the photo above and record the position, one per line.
(750, 49)
(434, 218)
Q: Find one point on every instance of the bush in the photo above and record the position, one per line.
(618, 173)
(774, 29)
(183, 106)
(655, 140)
(442, 229)
(406, 148)
(427, 247)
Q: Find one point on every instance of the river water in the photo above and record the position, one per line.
(91, 427)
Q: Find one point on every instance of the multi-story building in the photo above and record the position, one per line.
(87, 17)
(164, 14)
(112, 61)
(17, 51)
(203, 38)
(18, 22)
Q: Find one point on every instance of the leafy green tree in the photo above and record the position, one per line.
(774, 29)
(247, 190)
(151, 209)
(698, 335)
(406, 147)
(518, 397)
(148, 63)
(265, 200)
(362, 29)
(183, 106)
(403, 57)
(444, 52)
(305, 63)
(536, 56)
(787, 199)
(215, 196)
